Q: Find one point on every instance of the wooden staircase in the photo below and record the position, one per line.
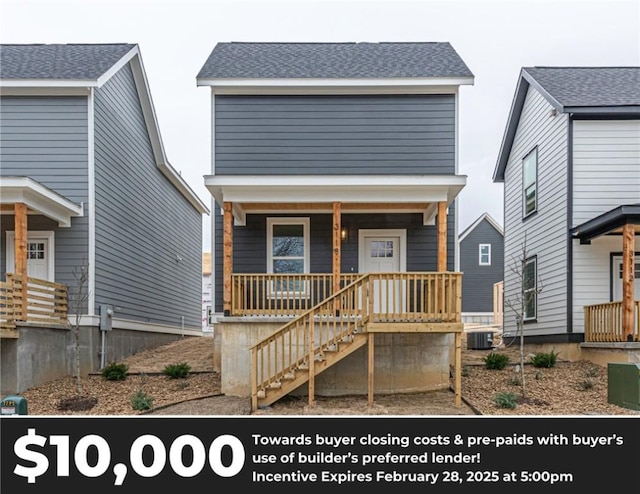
(310, 344)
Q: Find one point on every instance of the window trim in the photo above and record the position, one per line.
(526, 214)
(306, 235)
(480, 263)
(534, 260)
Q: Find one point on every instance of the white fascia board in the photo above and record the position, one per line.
(405, 189)
(153, 129)
(338, 82)
(39, 198)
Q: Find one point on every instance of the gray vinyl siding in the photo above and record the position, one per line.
(250, 247)
(334, 134)
(606, 166)
(545, 231)
(477, 280)
(45, 138)
(148, 237)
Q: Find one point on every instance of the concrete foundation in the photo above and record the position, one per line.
(404, 362)
(42, 354)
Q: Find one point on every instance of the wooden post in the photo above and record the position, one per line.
(371, 338)
(312, 362)
(627, 282)
(227, 257)
(458, 369)
(442, 236)
(20, 249)
(337, 238)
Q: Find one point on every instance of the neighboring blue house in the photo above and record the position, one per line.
(482, 266)
(570, 164)
(334, 162)
(86, 181)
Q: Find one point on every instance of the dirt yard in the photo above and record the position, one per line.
(568, 388)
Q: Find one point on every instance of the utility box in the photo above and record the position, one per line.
(623, 385)
(480, 340)
(14, 405)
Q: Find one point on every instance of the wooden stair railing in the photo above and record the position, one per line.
(309, 344)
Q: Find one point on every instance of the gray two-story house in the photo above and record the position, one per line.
(334, 179)
(482, 266)
(570, 164)
(86, 186)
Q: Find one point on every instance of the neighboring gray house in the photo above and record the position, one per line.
(332, 161)
(482, 265)
(83, 165)
(570, 163)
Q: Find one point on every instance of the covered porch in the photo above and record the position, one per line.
(316, 318)
(619, 319)
(25, 298)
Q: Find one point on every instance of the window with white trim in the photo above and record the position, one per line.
(484, 254)
(530, 288)
(288, 250)
(530, 182)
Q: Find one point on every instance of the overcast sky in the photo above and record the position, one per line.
(495, 39)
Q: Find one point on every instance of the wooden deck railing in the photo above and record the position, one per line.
(603, 322)
(280, 294)
(44, 302)
(375, 297)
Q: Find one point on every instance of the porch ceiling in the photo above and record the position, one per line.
(610, 222)
(316, 194)
(38, 198)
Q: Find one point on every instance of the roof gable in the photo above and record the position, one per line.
(586, 91)
(83, 67)
(484, 217)
(60, 61)
(333, 61)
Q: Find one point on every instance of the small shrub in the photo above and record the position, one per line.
(141, 401)
(115, 372)
(466, 371)
(544, 359)
(176, 371)
(506, 400)
(496, 361)
(586, 385)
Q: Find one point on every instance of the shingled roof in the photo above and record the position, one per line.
(59, 61)
(333, 61)
(585, 87)
(595, 91)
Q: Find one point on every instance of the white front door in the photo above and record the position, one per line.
(617, 279)
(384, 252)
(39, 255)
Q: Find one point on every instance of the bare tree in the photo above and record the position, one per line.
(78, 298)
(530, 285)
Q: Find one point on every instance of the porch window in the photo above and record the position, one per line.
(530, 288)
(288, 251)
(529, 182)
(484, 255)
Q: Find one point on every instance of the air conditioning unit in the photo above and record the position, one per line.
(623, 385)
(479, 340)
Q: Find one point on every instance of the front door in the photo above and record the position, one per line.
(383, 252)
(39, 258)
(617, 280)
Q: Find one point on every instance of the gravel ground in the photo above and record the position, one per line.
(568, 388)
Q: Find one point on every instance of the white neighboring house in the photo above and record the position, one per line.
(570, 163)
(207, 284)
